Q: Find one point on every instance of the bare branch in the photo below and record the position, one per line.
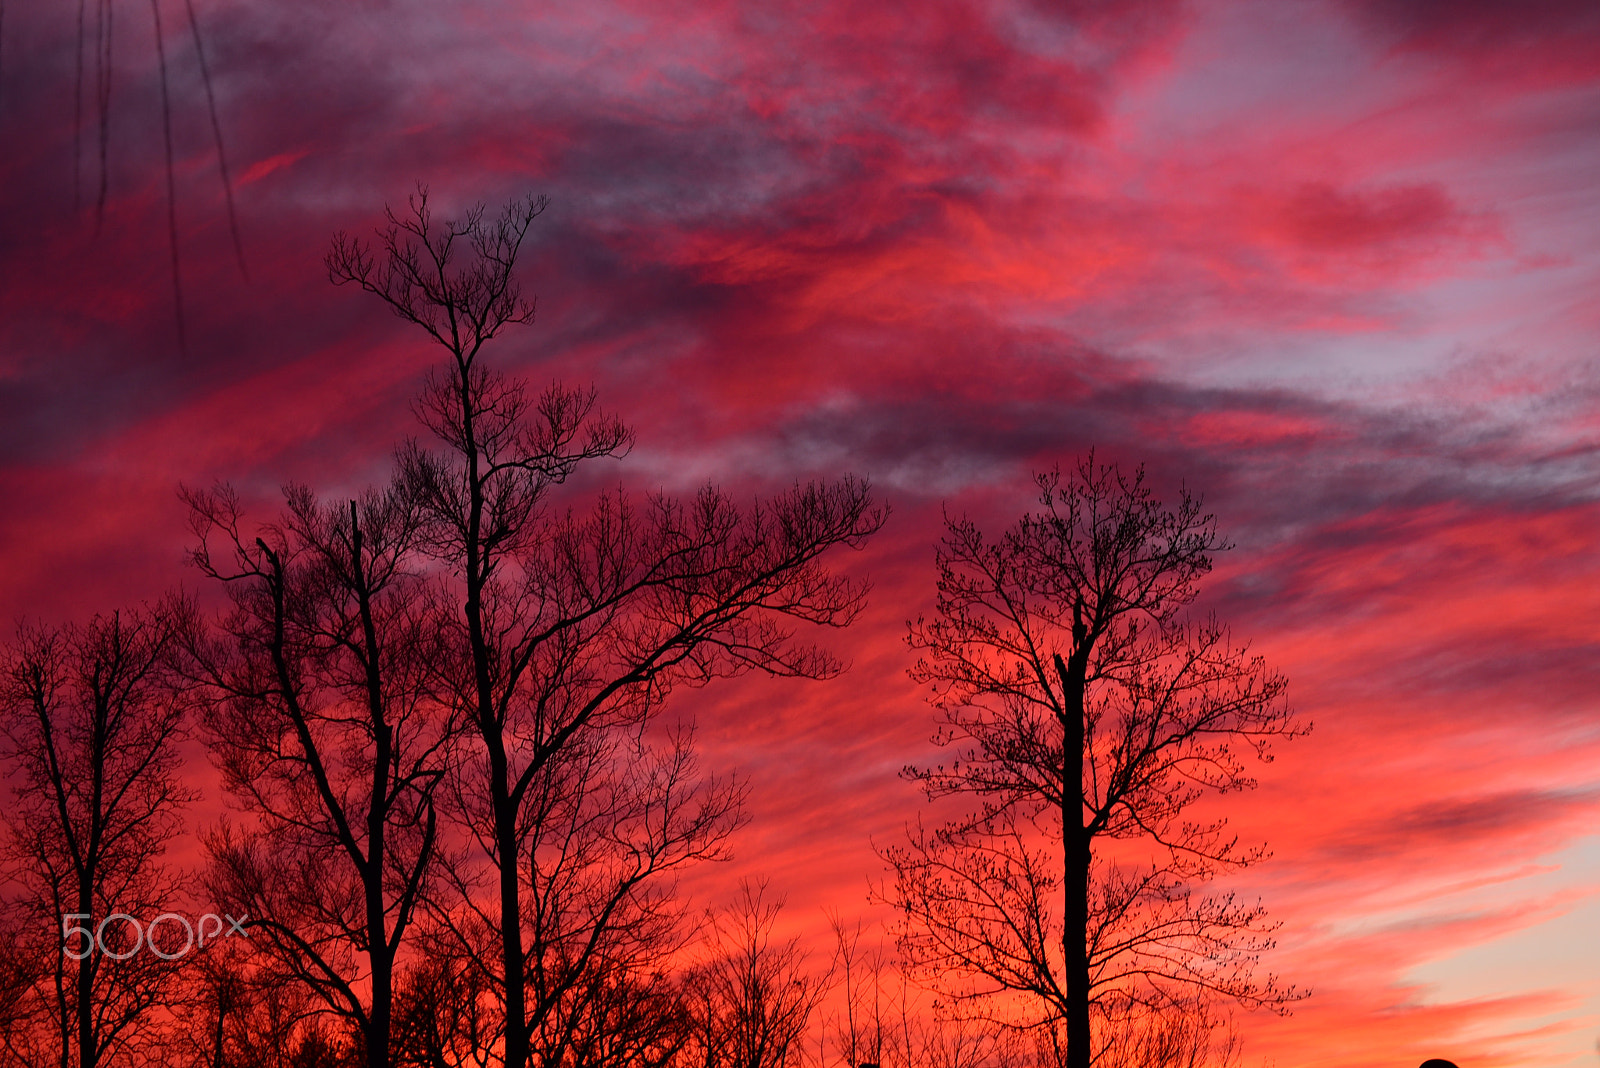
(1087, 707)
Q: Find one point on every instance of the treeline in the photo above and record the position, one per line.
(459, 813)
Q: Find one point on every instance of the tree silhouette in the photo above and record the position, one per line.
(878, 1014)
(1089, 712)
(320, 714)
(752, 1000)
(563, 632)
(238, 1012)
(91, 718)
(444, 1017)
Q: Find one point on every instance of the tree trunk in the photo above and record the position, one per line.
(1077, 850)
(512, 955)
(1079, 1051)
(380, 952)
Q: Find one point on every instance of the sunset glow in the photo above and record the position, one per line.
(1333, 265)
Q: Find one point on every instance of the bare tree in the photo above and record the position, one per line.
(754, 998)
(563, 628)
(1180, 1036)
(881, 1017)
(861, 1029)
(608, 822)
(23, 970)
(444, 1016)
(1089, 713)
(238, 1013)
(632, 1018)
(320, 718)
(91, 718)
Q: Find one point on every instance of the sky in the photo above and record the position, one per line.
(1332, 264)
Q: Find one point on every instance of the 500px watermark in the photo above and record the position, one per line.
(225, 926)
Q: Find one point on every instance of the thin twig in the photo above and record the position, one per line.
(103, 28)
(216, 133)
(172, 192)
(77, 118)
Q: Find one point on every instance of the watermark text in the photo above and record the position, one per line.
(123, 927)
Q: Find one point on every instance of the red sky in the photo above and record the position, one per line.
(1331, 262)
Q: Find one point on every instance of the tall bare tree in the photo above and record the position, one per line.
(754, 998)
(320, 717)
(92, 718)
(880, 1015)
(1089, 712)
(565, 629)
